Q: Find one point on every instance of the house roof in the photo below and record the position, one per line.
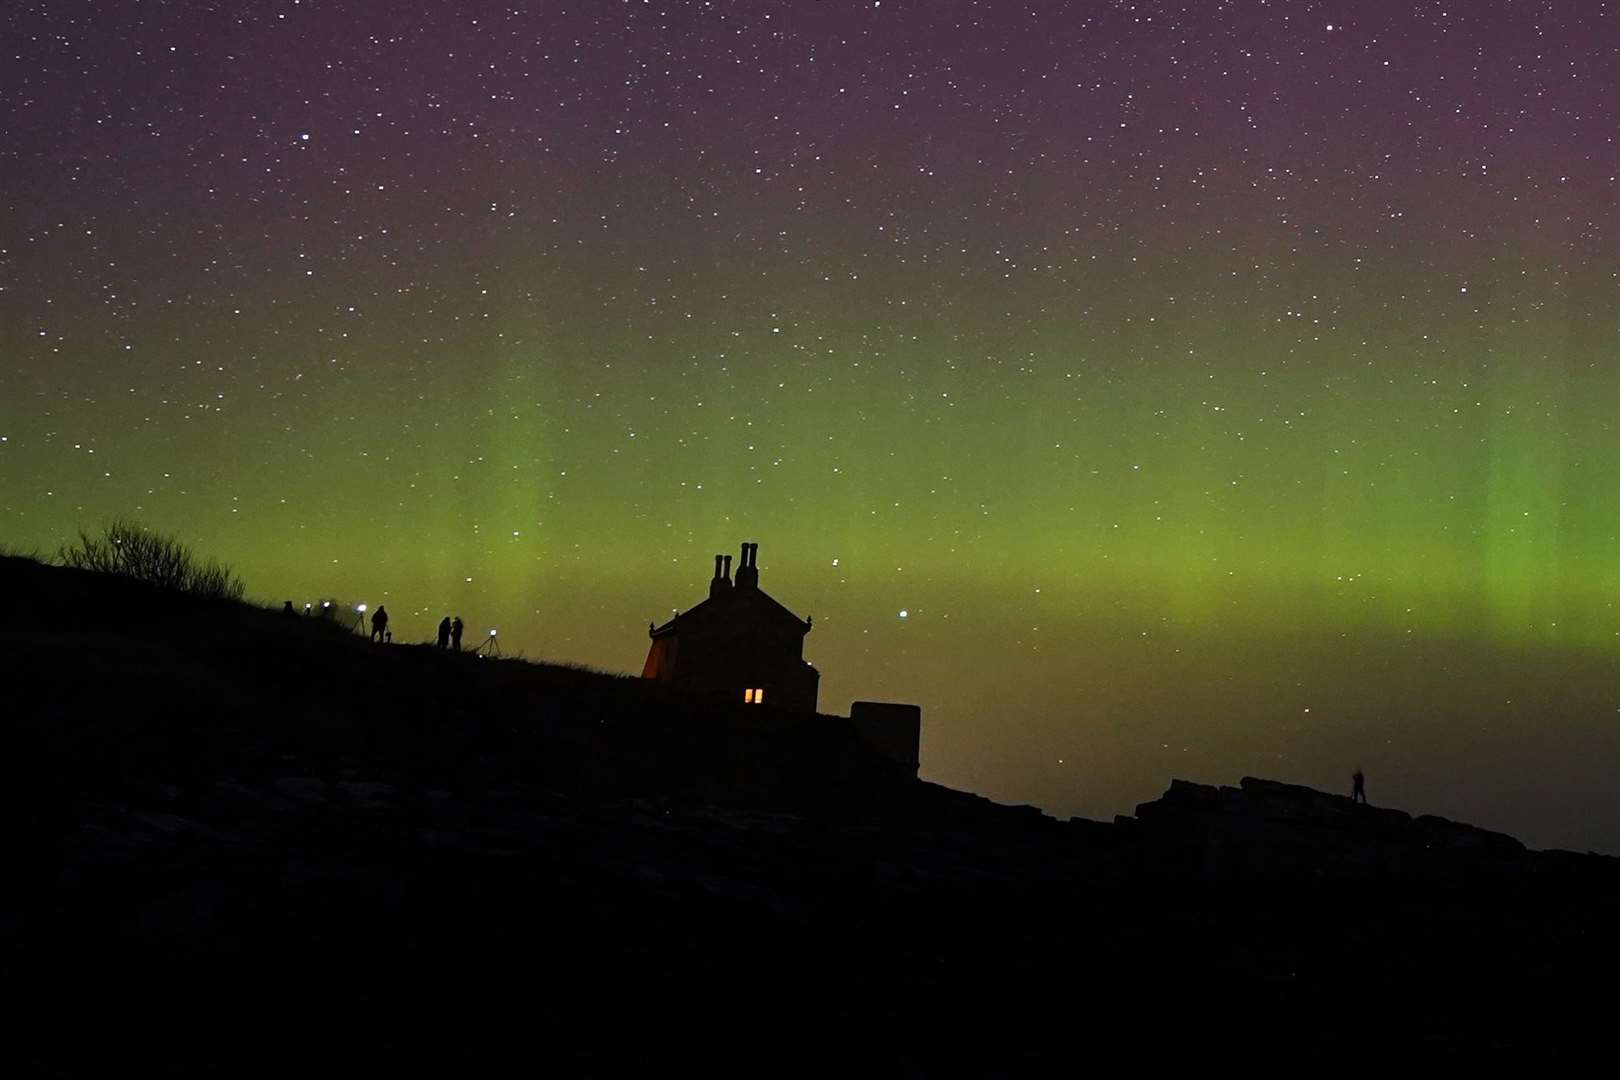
(761, 603)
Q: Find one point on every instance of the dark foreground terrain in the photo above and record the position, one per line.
(237, 843)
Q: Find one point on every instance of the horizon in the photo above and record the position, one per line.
(1216, 393)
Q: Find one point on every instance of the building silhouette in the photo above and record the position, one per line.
(738, 644)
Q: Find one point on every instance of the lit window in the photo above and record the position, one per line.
(748, 696)
(754, 696)
(759, 696)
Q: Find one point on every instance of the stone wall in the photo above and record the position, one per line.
(891, 729)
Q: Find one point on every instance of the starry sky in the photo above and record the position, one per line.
(1145, 389)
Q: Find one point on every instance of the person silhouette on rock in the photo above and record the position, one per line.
(455, 634)
(1358, 788)
(379, 624)
(444, 632)
(287, 609)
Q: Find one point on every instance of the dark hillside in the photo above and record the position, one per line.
(131, 683)
(245, 842)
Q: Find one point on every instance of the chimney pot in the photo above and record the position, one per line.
(747, 572)
(721, 582)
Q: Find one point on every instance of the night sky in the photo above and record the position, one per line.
(1146, 390)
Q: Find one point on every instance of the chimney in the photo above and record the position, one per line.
(747, 571)
(721, 582)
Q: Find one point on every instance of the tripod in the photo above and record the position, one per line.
(490, 646)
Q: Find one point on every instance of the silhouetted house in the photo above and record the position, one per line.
(739, 644)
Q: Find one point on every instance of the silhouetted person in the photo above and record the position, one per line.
(444, 632)
(1358, 788)
(379, 624)
(455, 634)
(287, 609)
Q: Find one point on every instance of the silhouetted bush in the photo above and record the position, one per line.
(128, 550)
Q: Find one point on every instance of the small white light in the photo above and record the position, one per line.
(904, 613)
(360, 608)
(492, 633)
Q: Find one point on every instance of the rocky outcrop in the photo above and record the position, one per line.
(1265, 830)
